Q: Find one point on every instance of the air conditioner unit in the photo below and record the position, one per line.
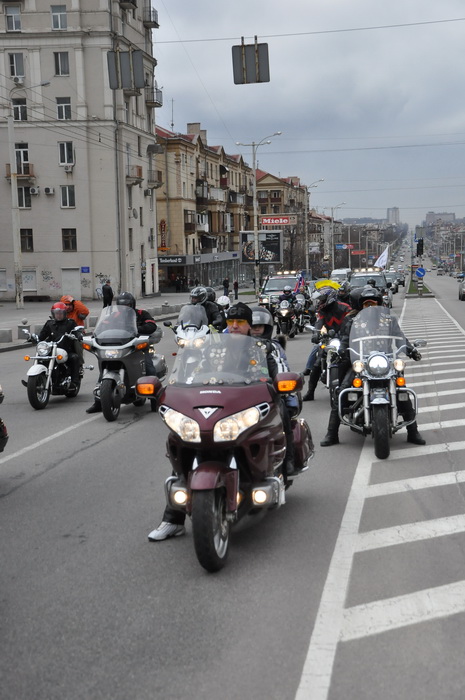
(34, 190)
(19, 80)
(49, 190)
(147, 193)
(69, 168)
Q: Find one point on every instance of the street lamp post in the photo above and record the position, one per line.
(332, 231)
(254, 147)
(15, 220)
(307, 203)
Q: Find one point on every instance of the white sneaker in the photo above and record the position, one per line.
(166, 530)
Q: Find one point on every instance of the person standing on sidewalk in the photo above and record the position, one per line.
(236, 289)
(107, 293)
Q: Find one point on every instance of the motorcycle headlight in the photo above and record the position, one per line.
(399, 365)
(187, 428)
(358, 366)
(378, 365)
(229, 428)
(112, 354)
(42, 349)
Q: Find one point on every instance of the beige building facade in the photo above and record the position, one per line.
(84, 152)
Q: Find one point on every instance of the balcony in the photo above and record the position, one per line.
(150, 17)
(128, 4)
(25, 172)
(217, 195)
(224, 182)
(153, 97)
(189, 227)
(134, 175)
(131, 91)
(154, 179)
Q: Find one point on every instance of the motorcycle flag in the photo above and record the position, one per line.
(383, 258)
(300, 284)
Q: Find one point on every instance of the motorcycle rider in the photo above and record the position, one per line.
(199, 295)
(287, 295)
(54, 329)
(239, 322)
(262, 327)
(330, 314)
(146, 325)
(370, 296)
(224, 305)
(77, 311)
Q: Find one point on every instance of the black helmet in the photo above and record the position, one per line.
(371, 295)
(262, 317)
(328, 296)
(211, 294)
(198, 295)
(354, 297)
(371, 282)
(126, 299)
(344, 290)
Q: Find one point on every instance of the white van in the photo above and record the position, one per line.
(341, 274)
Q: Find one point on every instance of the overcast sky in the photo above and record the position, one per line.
(375, 108)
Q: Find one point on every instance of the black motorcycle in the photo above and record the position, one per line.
(3, 430)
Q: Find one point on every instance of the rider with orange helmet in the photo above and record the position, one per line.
(76, 309)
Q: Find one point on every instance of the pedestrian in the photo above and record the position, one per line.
(226, 287)
(196, 282)
(178, 283)
(236, 289)
(107, 293)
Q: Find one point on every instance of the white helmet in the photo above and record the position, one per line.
(223, 302)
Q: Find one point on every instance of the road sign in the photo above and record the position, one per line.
(358, 252)
(420, 272)
(343, 246)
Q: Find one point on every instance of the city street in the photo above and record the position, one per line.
(355, 589)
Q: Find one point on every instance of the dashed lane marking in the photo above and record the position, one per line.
(416, 483)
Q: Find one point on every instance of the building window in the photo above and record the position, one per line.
(63, 108)
(130, 239)
(59, 17)
(13, 18)
(22, 158)
(24, 198)
(61, 63)
(27, 244)
(19, 109)
(69, 239)
(3, 279)
(66, 153)
(16, 65)
(151, 238)
(68, 200)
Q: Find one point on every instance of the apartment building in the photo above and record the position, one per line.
(78, 138)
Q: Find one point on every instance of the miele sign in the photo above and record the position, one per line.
(279, 219)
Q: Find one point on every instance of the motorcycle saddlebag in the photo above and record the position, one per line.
(303, 443)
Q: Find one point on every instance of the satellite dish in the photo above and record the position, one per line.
(134, 213)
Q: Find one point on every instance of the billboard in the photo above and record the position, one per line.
(270, 246)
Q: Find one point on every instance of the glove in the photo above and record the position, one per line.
(415, 355)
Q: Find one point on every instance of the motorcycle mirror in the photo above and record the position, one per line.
(168, 324)
(331, 333)
(420, 343)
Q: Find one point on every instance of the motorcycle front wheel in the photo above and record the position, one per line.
(210, 528)
(110, 399)
(381, 431)
(37, 393)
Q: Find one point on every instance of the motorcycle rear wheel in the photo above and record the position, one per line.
(37, 394)
(210, 528)
(381, 431)
(110, 400)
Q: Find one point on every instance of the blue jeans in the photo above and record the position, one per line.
(312, 358)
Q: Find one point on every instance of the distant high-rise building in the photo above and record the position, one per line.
(393, 215)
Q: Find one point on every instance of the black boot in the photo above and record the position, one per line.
(332, 436)
(312, 384)
(413, 435)
(95, 408)
(289, 463)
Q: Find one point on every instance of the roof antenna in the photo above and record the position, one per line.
(172, 115)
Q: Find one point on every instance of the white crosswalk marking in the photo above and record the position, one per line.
(335, 623)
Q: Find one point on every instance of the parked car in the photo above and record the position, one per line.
(440, 271)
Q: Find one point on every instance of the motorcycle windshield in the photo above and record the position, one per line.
(221, 359)
(116, 325)
(375, 330)
(193, 315)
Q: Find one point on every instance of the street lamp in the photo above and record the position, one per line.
(254, 147)
(332, 231)
(307, 202)
(15, 221)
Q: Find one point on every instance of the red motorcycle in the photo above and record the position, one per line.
(226, 443)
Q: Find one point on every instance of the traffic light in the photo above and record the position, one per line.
(420, 246)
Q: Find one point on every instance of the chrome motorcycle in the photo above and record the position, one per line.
(378, 398)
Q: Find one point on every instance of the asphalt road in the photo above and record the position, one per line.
(354, 589)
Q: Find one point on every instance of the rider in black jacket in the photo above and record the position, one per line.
(54, 329)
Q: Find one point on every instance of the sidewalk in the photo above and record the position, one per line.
(35, 313)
